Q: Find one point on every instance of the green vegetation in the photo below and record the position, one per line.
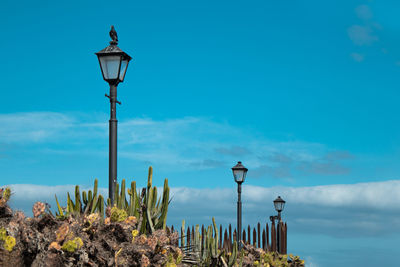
(150, 211)
(118, 215)
(142, 213)
(72, 245)
(9, 241)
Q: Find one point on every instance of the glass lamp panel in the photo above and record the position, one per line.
(110, 66)
(239, 175)
(279, 205)
(124, 67)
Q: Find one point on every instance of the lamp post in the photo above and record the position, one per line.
(239, 173)
(113, 64)
(279, 204)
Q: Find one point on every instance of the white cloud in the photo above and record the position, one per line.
(33, 126)
(190, 142)
(363, 12)
(362, 35)
(357, 57)
(354, 209)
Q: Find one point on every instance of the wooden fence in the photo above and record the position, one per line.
(260, 238)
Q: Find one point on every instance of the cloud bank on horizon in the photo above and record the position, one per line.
(333, 210)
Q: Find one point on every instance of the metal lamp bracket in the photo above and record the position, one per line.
(116, 101)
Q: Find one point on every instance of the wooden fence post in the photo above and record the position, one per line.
(273, 237)
(267, 233)
(248, 235)
(263, 239)
(225, 245)
(258, 235)
(285, 239)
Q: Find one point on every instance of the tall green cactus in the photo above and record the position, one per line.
(73, 208)
(208, 253)
(183, 234)
(78, 205)
(151, 210)
(232, 258)
(215, 244)
(60, 213)
(92, 203)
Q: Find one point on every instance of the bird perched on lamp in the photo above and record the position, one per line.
(114, 36)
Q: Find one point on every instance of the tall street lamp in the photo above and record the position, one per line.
(239, 173)
(279, 204)
(113, 64)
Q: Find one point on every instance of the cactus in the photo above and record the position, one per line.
(215, 244)
(93, 199)
(100, 206)
(197, 239)
(92, 203)
(84, 198)
(150, 210)
(133, 200)
(3, 233)
(78, 205)
(233, 257)
(183, 234)
(6, 194)
(60, 213)
(122, 199)
(207, 254)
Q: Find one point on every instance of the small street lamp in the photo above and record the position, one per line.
(279, 204)
(113, 64)
(239, 173)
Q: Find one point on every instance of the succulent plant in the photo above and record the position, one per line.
(9, 243)
(4, 196)
(296, 261)
(62, 232)
(118, 215)
(274, 259)
(3, 233)
(92, 203)
(72, 245)
(38, 209)
(150, 212)
(134, 234)
(205, 252)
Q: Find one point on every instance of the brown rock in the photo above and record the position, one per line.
(144, 261)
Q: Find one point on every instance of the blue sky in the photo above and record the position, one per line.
(304, 93)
